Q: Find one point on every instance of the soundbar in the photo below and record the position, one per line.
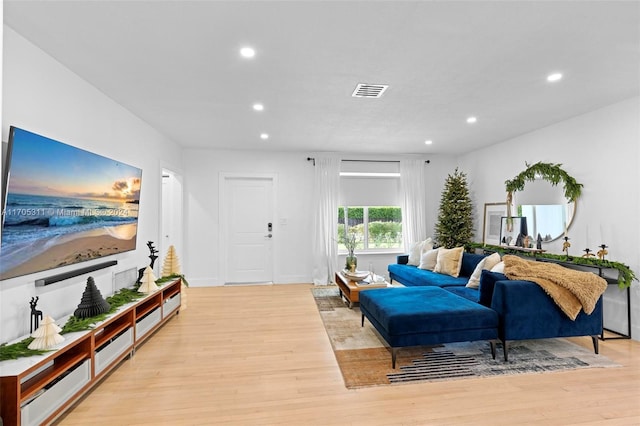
(60, 277)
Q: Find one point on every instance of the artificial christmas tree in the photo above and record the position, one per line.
(92, 302)
(46, 336)
(148, 281)
(455, 217)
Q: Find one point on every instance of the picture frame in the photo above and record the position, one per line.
(493, 214)
(511, 229)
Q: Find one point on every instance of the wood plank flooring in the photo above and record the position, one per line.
(259, 355)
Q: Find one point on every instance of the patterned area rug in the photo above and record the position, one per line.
(365, 360)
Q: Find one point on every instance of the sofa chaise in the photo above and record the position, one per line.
(416, 316)
(523, 310)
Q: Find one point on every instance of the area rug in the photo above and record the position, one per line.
(364, 359)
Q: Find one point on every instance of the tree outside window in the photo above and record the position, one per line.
(375, 227)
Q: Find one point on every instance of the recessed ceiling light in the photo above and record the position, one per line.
(471, 120)
(258, 107)
(264, 136)
(247, 52)
(428, 142)
(554, 77)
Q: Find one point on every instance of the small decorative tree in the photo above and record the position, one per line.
(46, 336)
(455, 218)
(171, 265)
(148, 284)
(92, 302)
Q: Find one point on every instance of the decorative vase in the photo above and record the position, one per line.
(351, 263)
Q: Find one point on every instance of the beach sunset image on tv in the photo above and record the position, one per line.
(64, 205)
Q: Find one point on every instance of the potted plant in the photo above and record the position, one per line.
(350, 242)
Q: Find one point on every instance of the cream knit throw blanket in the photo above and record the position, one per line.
(571, 290)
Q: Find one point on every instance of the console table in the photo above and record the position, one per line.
(38, 389)
(533, 255)
(610, 281)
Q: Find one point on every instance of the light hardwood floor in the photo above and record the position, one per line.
(259, 355)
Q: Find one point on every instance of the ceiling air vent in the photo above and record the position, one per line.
(364, 90)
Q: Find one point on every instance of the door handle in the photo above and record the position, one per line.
(269, 235)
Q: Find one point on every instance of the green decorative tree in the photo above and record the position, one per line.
(455, 218)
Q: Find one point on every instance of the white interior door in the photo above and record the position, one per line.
(248, 229)
(171, 224)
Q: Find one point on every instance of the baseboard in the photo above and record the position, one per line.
(293, 279)
(203, 282)
(213, 282)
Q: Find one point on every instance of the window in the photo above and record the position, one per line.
(377, 228)
(369, 205)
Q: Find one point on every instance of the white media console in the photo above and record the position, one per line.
(36, 390)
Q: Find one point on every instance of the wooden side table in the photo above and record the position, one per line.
(351, 290)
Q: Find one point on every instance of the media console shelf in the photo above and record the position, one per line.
(36, 390)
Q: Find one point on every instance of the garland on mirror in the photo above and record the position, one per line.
(550, 172)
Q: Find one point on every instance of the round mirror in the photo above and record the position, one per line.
(547, 211)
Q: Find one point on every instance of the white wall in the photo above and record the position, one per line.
(43, 96)
(601, 150)
(293, 263)
(295, 181)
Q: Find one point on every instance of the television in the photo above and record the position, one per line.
(64, 205)
(6, 153)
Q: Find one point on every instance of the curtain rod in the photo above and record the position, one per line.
(366, 161)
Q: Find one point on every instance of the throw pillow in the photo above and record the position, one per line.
(492, 261)
(449, 261)
(416, 251)
(428, 259)
(474, 279)
(498, 268)
(486, 263)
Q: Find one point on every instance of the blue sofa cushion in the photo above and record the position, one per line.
(487, 283)
(414, 310)
(412, 276)
(466, 292)
(469, 263)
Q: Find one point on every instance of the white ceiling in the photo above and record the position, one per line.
(175, 64)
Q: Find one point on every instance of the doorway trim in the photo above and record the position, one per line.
(224, 177)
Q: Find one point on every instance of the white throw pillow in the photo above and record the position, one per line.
(498, 268)
(492, 261)
(429, 259)
(474, 279)
(486, 263)
(417, 249)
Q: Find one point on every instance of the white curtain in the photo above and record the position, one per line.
(325, 219)
(414, 200)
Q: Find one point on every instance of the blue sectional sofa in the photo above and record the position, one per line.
(524, 311)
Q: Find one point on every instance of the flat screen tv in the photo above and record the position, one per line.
(64, 205)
